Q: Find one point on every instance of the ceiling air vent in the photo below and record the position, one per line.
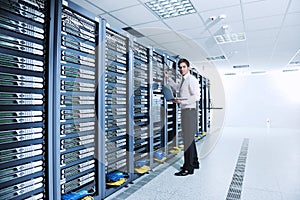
(258, 72)
(229, 74)
(290, 70)
(133, 32)
(230, 37)
(240, 66)
(216, 58)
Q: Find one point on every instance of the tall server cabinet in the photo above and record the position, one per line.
(141, 102)
(205, 105)
(117, 115)
(200, 110)
(75, 92)
(24, 95)
(172, 133)
(158, 103)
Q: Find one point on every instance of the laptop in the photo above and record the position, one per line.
(168, 94)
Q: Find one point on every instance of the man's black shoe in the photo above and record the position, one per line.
(183, 173)
(195, 167)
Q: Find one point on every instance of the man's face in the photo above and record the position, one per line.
(183, 68)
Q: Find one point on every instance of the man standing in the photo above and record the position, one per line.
(189, 93)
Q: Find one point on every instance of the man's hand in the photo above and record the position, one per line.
(177, 101)
(167, 74)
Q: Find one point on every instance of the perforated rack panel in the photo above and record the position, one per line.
(158, 112)
(141, 102)
(116, 100)
(23, 99)
(76, 90)
(179, 128)
(200, 106)
(172, 107)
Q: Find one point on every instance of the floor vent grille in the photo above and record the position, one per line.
(235, 188)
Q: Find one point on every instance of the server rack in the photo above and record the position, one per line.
(172, 108)
(25, 141)
(158, 105)
(208, 104)
(117, 114)
(200, 132)
(75, 92)
(178, 115)
(205, 104)
(141, 110)
(200, 105)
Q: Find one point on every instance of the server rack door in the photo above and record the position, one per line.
(141, 116)
(75, 111)
(171, 135)
(158, 104)
(200, 110)
(24, 95)
(204, 86)
(117, 113)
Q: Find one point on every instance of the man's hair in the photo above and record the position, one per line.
(183, 60)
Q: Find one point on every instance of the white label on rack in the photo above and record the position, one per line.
(65, 3)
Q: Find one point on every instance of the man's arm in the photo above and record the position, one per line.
(171, 82)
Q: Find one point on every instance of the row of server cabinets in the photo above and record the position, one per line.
(80, 101)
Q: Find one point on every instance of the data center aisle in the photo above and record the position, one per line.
(272, 170)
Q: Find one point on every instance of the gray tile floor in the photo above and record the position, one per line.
(272, 170)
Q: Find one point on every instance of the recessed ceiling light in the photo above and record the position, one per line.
(231, 37)
(171, 8)
(222, 57)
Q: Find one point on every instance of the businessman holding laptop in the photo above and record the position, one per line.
(189, 94)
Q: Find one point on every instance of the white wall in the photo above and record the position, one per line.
(251, 99)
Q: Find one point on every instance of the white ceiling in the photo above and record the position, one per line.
(272, 29)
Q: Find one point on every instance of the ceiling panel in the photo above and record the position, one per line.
(152, 28)
(196, 54)
(294, 6)
(265, 8)
(236, 52)
(289, 39)
(262, 35)
(232, 14)
(210, 46)
(202, 5)
(264, 23)
(91, 7)
(234, 27)
(184, 22)
(292, 19)
(166, 38)
(249, 1)
(112, 5)
(194, 33)
(113, 21)
(135, 15)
